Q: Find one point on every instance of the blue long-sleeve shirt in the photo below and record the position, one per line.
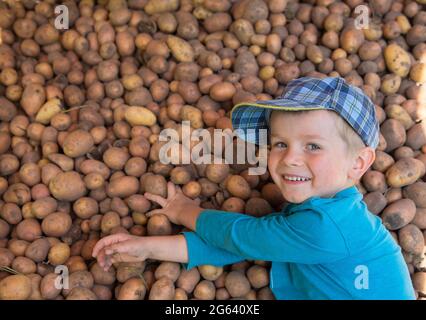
(323, 248)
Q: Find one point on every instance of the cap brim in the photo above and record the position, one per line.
(254, 116)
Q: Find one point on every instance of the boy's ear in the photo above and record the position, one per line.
(363, 160)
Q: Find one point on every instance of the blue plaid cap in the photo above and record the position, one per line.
(307, 93)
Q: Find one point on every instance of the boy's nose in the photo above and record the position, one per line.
(291, 158)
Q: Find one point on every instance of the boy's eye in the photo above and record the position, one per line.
(313, 146)
(279, 145)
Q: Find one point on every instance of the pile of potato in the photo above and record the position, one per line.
(81, 111)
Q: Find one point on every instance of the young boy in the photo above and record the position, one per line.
(324, 244)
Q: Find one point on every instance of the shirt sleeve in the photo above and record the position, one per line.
(200, 253)
(308, 236)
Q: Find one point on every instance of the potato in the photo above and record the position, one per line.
(169, 270)
(181, 50)
(8, 110)
(102, 292)
(95, 166)
(132, 289)
(222, 91)
(9, 164)
(48, 110)
(6, 257)
(4, 229)
(193, 115)
(375, 201)
(222, 294)
(162, 289)
(29, 230)
(140, 116)
(238, 187)
(38, 250)
(265, 294)
(243, 30)
(257, 207)
(397, 60)
(85, 207)
(11, 213)
(15, 287)
(75, 263)
(397, 112)
(30, 174)
(154, 184)
(417, 193)
(419, 282)
(394, 133)
(159, 225)
(233, 204)
(83, 279)
(258, 276)
(33, 97)
(399, 214)
(122, 187)
(411, 239)
(420, 218)
(24, 265)
(188, 279)
(110, 220)
(383, 161)
(62, 161)
(56, 224)
(41, 208)
(128, 270)
(80, 293)
(205, 290)
(103, 277)
(217, 172)
(374, 181)
(416, 136)
(161, 6)
(48, 287)
(94, 181)
(35, 287)
(59, 254)
(237, 284)
(67, 186)
(404, 172)
(77, 143)
(210, 272)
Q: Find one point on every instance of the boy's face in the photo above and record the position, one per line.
(308, 145)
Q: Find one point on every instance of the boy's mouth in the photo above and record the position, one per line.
(291, 178)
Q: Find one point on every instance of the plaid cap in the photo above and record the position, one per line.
(307, 93)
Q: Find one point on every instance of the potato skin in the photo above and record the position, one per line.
(398, 214)
(77, 143)
(67, 186)
(405, 172)
(15, 287)
(132, 289)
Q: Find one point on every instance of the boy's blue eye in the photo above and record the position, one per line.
(279, 145)
(313, 146)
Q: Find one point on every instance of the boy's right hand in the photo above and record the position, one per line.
(119, 247)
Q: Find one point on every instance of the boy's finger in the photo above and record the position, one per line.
(108, 241)
(156, 198)
(154, 212)
(171, 190)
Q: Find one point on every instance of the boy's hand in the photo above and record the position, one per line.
(119, 248)
(175, 205)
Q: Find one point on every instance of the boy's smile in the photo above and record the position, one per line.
(308, 157)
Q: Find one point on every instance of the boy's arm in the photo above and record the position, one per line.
(304, 237)
(166, 248)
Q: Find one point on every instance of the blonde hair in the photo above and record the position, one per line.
(352, 140)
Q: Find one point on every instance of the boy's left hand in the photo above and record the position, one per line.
(175, 205)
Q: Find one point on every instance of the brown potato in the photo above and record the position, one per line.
(110, 220)
(56, 224)
(48, 288)
(411, 239)
(67, 186)
(41, 208)
(238, 187)
(159, 225)
(29, 230)
(132, 289)
(15, 287)
(59, 253)
(210, 272)
(188, 279)
(417, 193)
(24, 265)
(205, 290)
(162, 289)
(394, 133)
(103, 277)
(85, 207)
(81, 293)
(237, 284)
(375, 201)
(6, 257)
(404, 172)
(398, 214)
(169, 270)
(38, 250)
